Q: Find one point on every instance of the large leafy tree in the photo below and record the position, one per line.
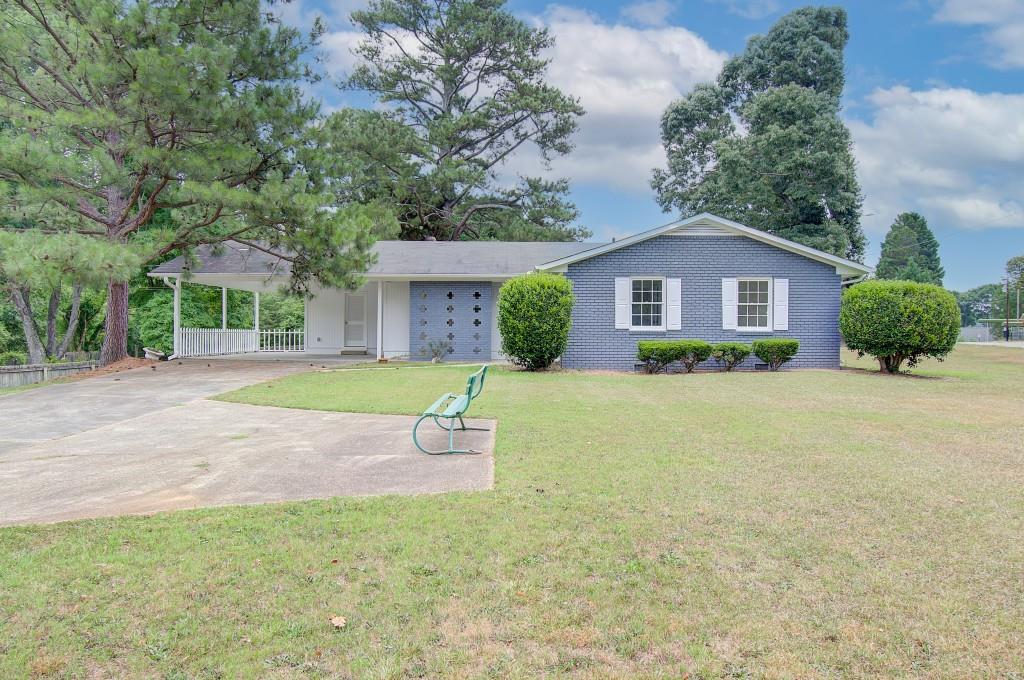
(1015, 271)
(462, 88)
(765, 145)
(116, 110)
(983, 302)
(910, 251)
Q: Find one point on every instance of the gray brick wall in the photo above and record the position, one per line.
(702, 262)
(459, 311)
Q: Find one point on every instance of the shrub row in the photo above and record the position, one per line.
(657, 355)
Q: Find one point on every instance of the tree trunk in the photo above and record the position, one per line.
(115, 326)
(51, 321)
(69, 333)
(23, 303)
(890, 364)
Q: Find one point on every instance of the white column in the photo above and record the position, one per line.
(177, 315)
(223, 308)
(380, 320)
(256, 311)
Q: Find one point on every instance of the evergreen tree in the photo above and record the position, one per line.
(910, 252)
(788, 167)
(462, 87)
(116, 110)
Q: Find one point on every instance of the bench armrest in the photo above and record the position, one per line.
(435, 408)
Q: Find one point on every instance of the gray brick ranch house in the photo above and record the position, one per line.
(701, 277)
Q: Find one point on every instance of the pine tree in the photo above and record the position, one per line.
(910, 252)
(115, 110)
(462, 87)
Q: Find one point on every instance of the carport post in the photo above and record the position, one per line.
(256, 311)
(380, 320)
(177, 315)
(223, 308)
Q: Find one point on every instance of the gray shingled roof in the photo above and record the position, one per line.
(397, 258)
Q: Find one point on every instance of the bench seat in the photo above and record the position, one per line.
(451, 407)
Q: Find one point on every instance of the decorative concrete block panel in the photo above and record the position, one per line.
(457, 311)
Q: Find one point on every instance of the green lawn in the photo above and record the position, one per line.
(799, 524)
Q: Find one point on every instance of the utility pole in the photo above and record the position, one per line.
(1006, 312)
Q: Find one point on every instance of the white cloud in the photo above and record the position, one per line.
(1003, 21)
(624, 77)
(750, 9)
(337, 47)
(951, 154)
(649, 12)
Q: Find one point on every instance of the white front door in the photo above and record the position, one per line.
(355, 320)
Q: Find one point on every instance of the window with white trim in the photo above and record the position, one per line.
(753, 304)
(647, 308)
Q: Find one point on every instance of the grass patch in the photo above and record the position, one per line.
(20, 388)
(792, 524)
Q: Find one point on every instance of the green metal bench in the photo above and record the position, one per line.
(450, 408)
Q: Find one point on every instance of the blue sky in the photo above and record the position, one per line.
(934, 98)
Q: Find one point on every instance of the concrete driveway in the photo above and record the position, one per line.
(144, 441)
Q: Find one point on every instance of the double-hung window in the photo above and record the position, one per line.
(647, 304)
(753, 300)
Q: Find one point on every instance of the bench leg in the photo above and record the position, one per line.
(451, 437)
(465, 427)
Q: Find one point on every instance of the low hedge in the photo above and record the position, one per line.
(775, 351)
(730, 354)
(694, 352)
(657, 355)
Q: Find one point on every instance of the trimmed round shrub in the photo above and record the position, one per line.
(897, 321)
(656, 355)
(730, 354)
(694, 352)
(775, 351)
(534, 317)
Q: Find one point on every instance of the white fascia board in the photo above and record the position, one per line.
(440, 277)
(843, 266)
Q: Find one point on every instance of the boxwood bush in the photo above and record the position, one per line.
(897, 321)
(730, 354)
(775, 351)
(656, 355)
(693, 352)
(534, 317)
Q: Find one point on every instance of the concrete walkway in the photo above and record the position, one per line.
(1015, 344)
(145, 441)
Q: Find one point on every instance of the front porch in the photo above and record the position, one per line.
(364, 324)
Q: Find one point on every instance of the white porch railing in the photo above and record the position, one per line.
(282, 341)
(201, 342)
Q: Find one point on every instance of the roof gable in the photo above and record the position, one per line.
(706, 224)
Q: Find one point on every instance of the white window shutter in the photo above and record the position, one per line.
(622, 302)
(780, 305)
(674, 308)
(729, 297)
